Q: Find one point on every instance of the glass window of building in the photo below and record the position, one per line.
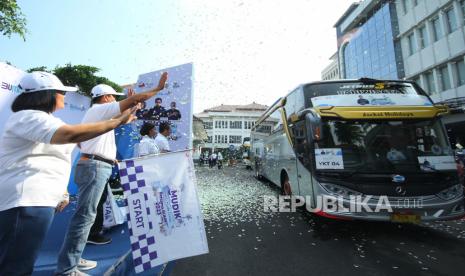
(429, 82)
(371, 53)
(411, 44)
(437, 31)
(422, 37)
(404, 6)
(208, 125)
(460, 68)
(221, 139)
(209, 139)
(235, 124)
(451, 20)
(462, 6)
(444, 77)
(235, 139)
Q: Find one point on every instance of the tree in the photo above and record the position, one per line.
(12, 20)
(39, 68)
(82, 76)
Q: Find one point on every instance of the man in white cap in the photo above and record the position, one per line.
(93, 171)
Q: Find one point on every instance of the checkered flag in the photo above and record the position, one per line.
(164, 217)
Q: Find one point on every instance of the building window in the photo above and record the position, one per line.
(422, 39)
(411, 44)
(221, 139)
(235, 139)
(248, 124)
(208, 125)
(404, 6)
(451, 20)
(462, 5)
(372, 53)
(429, 82)
(437, 32)
(221, 124)
(444, 77)
(264, 129)
(235, 124)
(209, 139)
(460, 68)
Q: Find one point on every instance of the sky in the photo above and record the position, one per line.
(243, 51)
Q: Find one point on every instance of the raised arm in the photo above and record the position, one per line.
(133, 99)
(78, 133)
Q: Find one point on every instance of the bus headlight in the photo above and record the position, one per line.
(451, 193)
(337, 190)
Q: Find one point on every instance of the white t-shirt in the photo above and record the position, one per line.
(33, 172)
(162, 142)
(148, 146)
(103, 145)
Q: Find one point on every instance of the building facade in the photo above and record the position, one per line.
(433, 47)
(229, 125)
(367, 41)
(419, 40)
(331, 72)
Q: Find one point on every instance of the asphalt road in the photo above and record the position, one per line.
(245, 240)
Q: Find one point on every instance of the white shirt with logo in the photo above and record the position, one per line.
(103, 145)
(33, 172)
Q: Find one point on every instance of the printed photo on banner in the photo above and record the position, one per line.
(172, 106)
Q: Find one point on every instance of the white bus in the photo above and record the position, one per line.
(366, 138)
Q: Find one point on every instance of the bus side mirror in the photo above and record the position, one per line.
(314, 126)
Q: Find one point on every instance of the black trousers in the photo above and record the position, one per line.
(98, 223)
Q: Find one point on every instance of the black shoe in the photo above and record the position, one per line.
(98, 240)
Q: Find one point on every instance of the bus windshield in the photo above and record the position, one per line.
(360, 94)
(384, 146)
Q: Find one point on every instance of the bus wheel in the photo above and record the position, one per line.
(286, 186)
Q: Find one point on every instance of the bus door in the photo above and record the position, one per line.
(302, 149)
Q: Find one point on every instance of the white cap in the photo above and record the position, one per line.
(103, 89)
(39, 81)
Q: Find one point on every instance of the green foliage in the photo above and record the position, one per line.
(39, 68)
(81, 75)
(12, 20)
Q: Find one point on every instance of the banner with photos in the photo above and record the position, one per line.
(172, 105)
(163, 211)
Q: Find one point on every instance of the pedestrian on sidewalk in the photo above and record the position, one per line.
(220, 160)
